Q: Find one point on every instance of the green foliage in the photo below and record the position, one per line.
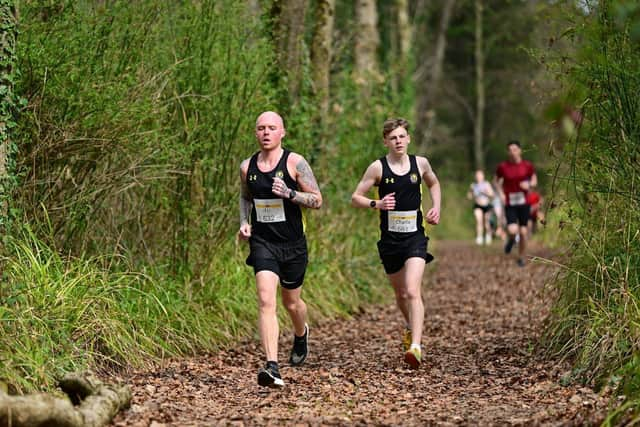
(9, 104)
(597, 312)
(511, 77)
(456, 219)
(139, 112)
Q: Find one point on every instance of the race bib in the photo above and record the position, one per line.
(403, 221)
(516, 199)
(269, 210)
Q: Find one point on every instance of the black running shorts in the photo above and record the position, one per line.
(518, 214)
(395, 254)
(484, 209)
(287, 260)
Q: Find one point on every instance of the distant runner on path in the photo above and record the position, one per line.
(403, 244)
(275, 184)
(481, 192)
(514, 179)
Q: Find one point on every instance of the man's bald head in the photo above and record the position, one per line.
(270, 116)
(270, 130)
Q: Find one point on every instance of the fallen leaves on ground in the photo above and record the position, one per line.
(483, 316)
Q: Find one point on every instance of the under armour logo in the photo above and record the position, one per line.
(388, 180)
(253, 177)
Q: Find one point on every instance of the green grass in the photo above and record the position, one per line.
(596, 316)
(66, 314)
(456, 217)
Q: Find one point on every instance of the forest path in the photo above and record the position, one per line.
(483, 314)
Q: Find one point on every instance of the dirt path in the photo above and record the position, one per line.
(483, 313)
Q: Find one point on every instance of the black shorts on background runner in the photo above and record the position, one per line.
(518, 214)
(484, 209)
(395, 254)
(288, 260)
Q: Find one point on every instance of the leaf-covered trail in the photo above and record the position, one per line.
(483, 314)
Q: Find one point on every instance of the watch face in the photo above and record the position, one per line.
(372, 203)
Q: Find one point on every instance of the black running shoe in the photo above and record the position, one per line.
(520, 262)
(509, 245)
(270, 376)
(300, 348)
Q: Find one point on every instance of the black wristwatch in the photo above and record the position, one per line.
(292, 194)
(372, 203)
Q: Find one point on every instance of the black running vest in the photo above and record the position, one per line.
(406, 217)
(273, 218)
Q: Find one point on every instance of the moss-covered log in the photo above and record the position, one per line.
(97, 405)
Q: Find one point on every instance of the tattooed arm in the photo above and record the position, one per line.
(309, 195)
(245, 203)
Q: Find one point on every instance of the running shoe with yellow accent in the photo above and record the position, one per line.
(406, 339)
(413, 357)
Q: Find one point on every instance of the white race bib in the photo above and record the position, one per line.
(403, 221)
(516, 199)
(269, 210)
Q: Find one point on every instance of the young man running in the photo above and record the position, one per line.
(403, 244)
(514, 179)
(275, 184)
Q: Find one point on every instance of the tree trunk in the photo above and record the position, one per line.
(8, 35)
(321, 51)
(399, 29)
(367, 41)
(254, 7)
(98, 404)
(478, 129)
(429, 79)
(404, 28)
(289, 37)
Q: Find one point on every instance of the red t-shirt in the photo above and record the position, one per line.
(512, 175)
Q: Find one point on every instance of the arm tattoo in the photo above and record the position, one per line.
(309, 200)
(305, 176)
(245, 203)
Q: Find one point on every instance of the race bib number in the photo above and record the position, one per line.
(516, 199)
(269, 210)
(403, 221)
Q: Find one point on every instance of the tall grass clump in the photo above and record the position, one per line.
(596, 316)
(62, 313)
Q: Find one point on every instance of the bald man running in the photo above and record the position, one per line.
(275, 184)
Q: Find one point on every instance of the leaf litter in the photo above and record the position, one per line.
(483, 315)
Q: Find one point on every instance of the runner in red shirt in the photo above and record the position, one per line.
(514, 179)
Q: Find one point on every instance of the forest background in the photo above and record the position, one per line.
(124, 124)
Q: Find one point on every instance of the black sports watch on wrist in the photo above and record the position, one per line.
(292, 194)
(372, 203)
